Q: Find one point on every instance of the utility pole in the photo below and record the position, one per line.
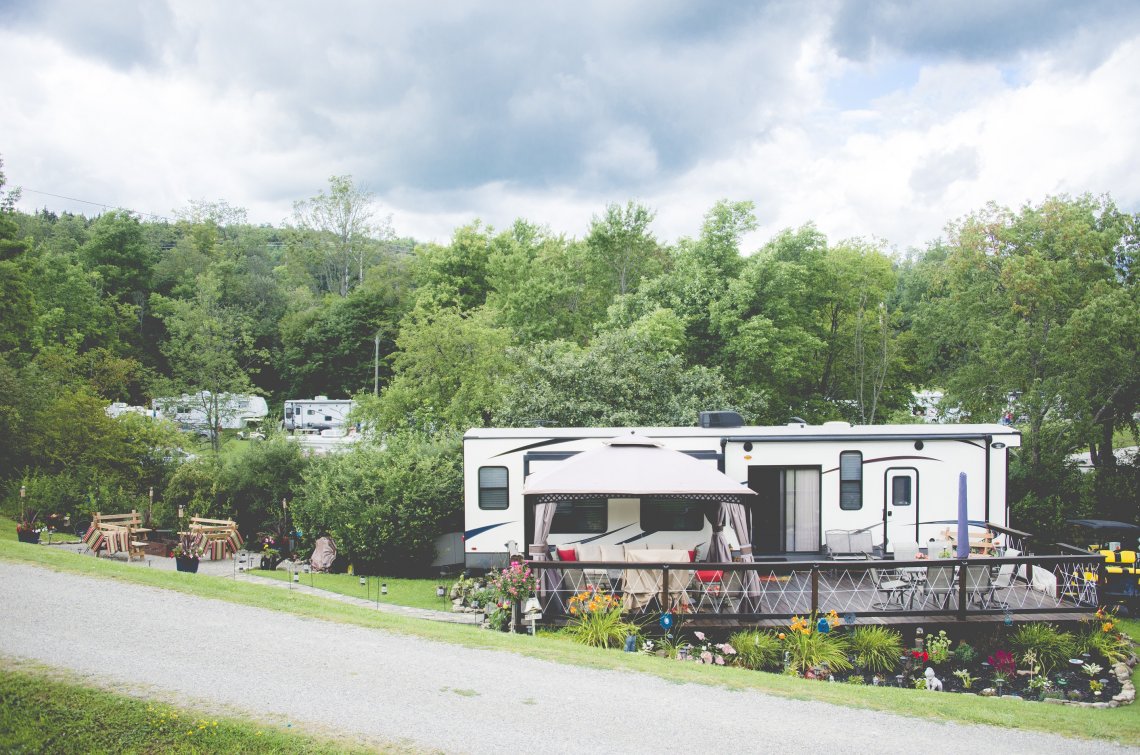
(376, 367)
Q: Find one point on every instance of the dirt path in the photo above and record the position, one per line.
(390, 688)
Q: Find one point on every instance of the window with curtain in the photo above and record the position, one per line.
(493, 488)
(850, 480)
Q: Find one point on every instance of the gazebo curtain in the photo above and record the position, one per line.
(540, 550)
(719, 550)
(738, 515)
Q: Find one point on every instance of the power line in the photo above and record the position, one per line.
(104, 206)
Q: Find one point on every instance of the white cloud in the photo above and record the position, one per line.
(461, 111)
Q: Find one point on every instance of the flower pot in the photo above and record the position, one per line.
(28, 536)
(186, 563)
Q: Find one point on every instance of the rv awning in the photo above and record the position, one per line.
(633, 465)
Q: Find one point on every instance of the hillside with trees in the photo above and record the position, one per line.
(1032, 310)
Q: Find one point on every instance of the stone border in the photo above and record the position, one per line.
(1126, 696)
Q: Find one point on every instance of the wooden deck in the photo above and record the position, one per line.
(1059, 589)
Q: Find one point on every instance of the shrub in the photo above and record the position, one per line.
(965, 653)
(876, 648)
(1050, 645)
(757, 650)
(596, 620)
(808, 647)
(938, 646)
(1114, 647)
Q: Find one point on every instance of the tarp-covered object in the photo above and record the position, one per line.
(323, 554)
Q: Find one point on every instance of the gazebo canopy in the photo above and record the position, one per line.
(633, 465)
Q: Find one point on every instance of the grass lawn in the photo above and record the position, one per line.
(1119, 724)
(416, 593)
(42, 710)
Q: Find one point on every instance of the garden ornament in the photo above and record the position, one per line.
(933, 683)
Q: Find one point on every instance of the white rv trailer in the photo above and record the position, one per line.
(899, 480)
(235, 410)
(320, 413)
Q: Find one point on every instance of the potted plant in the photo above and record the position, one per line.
(27, 529)
(270, 555)
(187, 553)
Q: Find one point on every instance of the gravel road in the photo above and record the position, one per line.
(387, 688)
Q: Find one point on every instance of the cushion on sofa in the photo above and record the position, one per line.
(567, 554)
(589, 552)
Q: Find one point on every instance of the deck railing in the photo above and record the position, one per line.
(753, 592)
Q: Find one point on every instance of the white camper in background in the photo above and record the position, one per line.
(235, 410)
(317, 414)
(899, 480)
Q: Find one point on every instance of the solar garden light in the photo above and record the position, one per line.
(383, 588)
(364, 581)
(439, 591)
(296, 577)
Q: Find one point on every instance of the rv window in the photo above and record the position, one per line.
(580, 517)
(310, 412)
(288, 412)
(850, 480)
(492, 487)
(328, 418)
(669, 514)
(900, 491)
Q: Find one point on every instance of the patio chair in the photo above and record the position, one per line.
(940, 584)
(1005, 576)
(889, 584)
(712, 589)
(980, 585)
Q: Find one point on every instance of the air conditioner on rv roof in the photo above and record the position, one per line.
(721, 419)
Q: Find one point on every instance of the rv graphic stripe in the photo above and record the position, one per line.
(540, 444)
(480, 530)
(889, 458)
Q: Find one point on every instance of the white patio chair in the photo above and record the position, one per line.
(889, 584)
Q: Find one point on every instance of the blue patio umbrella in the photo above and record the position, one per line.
(963, 519)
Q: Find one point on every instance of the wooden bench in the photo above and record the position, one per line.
(219, 537)
(116, 533)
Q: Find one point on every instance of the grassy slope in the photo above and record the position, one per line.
(79, 718)
(1120, 724)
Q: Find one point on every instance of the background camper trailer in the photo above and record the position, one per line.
(898, 482)
(317, 414)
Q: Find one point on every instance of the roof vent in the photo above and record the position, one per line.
(721, 419)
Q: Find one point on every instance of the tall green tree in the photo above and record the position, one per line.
(339, 237)
(1040, 306)
(623, 248)
(448, 372)
(210, 348)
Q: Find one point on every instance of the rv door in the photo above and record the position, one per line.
(900, 509)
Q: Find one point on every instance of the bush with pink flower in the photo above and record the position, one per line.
(514, 584)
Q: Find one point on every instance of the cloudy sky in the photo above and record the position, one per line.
(873, 119)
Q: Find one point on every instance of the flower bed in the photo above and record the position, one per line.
(1036, 661)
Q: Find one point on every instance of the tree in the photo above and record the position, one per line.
(328, 344)
(448, 372)
(115, 249)
(621, 244)
(622, 379)
(1040, 306)
(210, 348)
(339, 234)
